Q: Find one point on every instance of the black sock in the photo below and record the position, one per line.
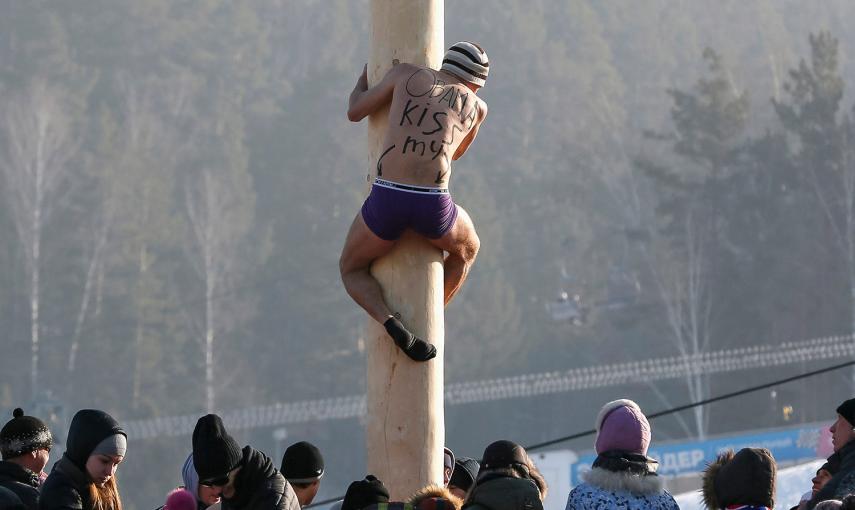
(413, 346)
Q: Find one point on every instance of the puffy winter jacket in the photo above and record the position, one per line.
(260, 486)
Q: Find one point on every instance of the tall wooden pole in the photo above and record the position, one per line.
(405, 423)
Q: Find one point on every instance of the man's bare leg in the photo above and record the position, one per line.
(361, 248)
(462, 244)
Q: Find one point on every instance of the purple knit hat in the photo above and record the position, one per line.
(622, 426)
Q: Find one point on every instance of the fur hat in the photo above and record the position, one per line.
(365, 492)
(435, 497)
(215, 452)
(302, 463)
(23, 434)
(743, 478)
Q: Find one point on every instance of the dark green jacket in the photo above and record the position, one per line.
(504, 493)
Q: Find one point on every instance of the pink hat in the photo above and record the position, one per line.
(180, 499)
(622, 426)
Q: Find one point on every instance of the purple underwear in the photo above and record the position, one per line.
(391, 207)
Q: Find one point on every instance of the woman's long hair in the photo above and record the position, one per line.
(105, 497)
(535, 476)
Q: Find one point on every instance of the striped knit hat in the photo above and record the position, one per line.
(468, 61)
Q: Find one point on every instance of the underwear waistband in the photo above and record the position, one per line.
(409, 188)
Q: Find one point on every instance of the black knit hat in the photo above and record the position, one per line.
(23, 434)
(501, 454)
(744, 478)
(215, 452)
(88, 428)
(464, 474)
(302, 463)
(832, 464)
(847, 410)
(363, 493)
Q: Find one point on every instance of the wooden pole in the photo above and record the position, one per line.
(405, 423)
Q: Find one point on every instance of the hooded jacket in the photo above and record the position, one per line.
(504, 493)
(23, 482)
(67, 488)
(621, 480)
(435, 492)
(746, 477)
(260, 486)
(843, 482)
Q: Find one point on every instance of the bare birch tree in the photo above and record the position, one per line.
(38, 144)
(680, 276)
(220, 208)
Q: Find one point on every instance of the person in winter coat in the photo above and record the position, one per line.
(745, 479)
(463, 476)
(246, 478)
(364, 493)
(842, 435)
(823, 475)
(85, 477)
(622, 476)
(9, 500)
(205, 496)
(25, 444)
(303, 467)
(505, 481)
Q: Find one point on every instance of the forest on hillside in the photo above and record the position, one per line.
(655, 179)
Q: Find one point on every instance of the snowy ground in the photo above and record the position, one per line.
(791, 484)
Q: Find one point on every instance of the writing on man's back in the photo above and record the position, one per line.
(428, 120)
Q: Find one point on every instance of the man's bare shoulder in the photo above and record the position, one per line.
(403, 70)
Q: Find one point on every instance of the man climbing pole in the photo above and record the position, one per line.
(434, 116)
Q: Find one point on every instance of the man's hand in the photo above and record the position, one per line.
(364, 101)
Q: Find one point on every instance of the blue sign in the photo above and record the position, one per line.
(692, 457)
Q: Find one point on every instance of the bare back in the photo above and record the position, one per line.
(432, 116)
